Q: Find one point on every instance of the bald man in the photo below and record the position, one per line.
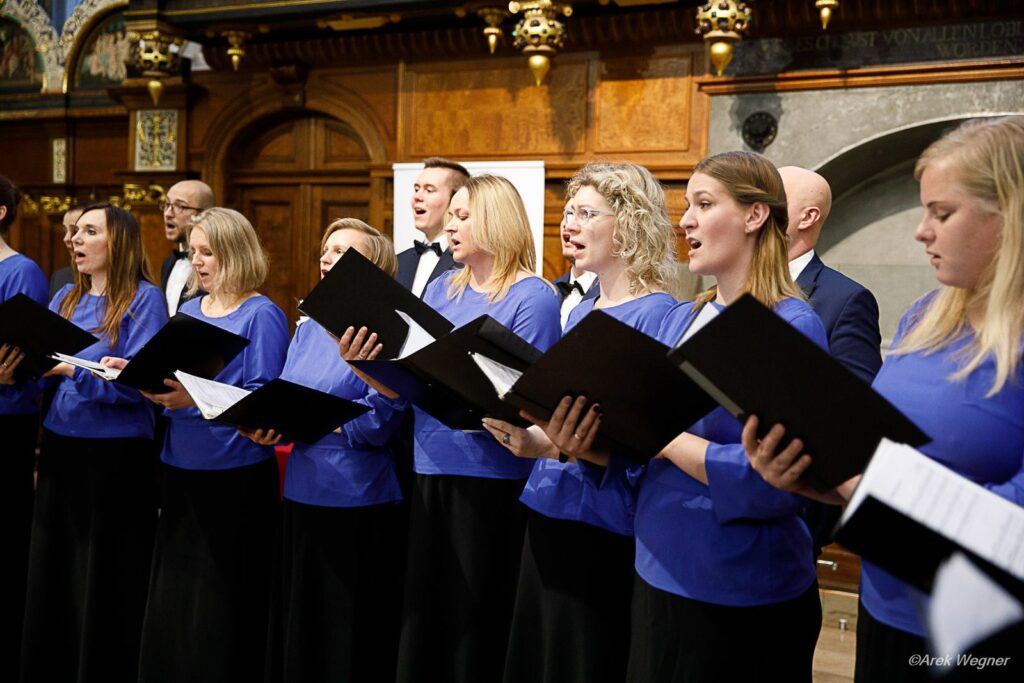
(848, 310)
(184, 201)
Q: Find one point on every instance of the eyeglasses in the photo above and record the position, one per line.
(584, 216)
(176, 207)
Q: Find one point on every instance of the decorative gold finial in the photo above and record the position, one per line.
(826, 8)
(492, 16)
(723, 23)
(539, 34)
(236, 46)
(157, 55)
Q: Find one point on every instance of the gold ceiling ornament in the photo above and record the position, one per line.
(236, 46)
(723, 23)
(492, 16)
(157, 55)
(826, 8)
(539, 34)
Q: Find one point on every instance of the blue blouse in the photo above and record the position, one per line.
(531, 310)
(88, 407)
(736, 541)
(603, 497)
(20, 275)
(978, 437)
(353, 468)
(194, 443)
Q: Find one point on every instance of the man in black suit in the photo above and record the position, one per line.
(847, 309)
(184, 201)
(436, 184)
(574, 286)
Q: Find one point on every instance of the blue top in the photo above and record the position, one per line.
(977, 437)
(735, 541)
(20, 275)
(530, 309)
(88, 407)
(600, 496)
(194, 443)
(355, 467)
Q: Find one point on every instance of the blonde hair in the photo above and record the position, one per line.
(642, 234)
(750, 178)
(242, 264)
(987, 158)
(127, 265)
(501, 229)
(375, 246)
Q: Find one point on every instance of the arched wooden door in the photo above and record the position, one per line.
(291, 177)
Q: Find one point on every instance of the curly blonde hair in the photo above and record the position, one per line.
(642, 235)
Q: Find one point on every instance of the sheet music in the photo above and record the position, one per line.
(95, 368)
(212, 398)
(501, 376)
(967, 607)
(417, 337)
(931, 494)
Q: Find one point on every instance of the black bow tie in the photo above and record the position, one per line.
(181, 254)
(422, 247)
(567, 287)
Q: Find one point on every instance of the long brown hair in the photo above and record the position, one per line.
(749, 178)
(126, 266)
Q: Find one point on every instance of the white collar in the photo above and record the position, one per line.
(797, 265)
(586, 280)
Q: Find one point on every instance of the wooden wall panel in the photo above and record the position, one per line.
(100, 151)
(643, 104)
(25, 154)
(274, 212)
(465, 111)
(377, 88)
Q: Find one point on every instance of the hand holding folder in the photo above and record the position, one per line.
(754, 363)
(38, 333)
(355, 293)
(183, 343)
(442, 379)
(297, 412)
(645, 400)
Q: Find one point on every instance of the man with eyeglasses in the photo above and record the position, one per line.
(574, 286)
(184, 201)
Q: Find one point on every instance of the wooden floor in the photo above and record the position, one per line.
(834, 656)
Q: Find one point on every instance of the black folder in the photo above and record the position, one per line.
(443, 380)
(913, 551)
(645, 400)
(184, 343)
(754, 363)
(297, 412)
(356, 293)
(38, 332)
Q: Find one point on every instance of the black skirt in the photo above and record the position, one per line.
(337, 597)
(678, 640)
(571, 619)
(92, 543)
(17, 452)
(465, 539)
(209, 591)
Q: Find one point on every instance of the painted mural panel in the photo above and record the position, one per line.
(103, 59)
(21, 67)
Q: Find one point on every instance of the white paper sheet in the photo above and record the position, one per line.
(501, 376)
(92, 366)
(417, 337)
(927, 492)
(967, 607)
(211, 397)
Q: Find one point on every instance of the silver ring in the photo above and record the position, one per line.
(506, 439)
(577, 436)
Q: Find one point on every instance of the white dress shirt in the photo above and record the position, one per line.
(176, 282)
(797, 265)
(428, 261)
(573, 298)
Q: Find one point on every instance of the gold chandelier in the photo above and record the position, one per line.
(723, 23)
(539, 34)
